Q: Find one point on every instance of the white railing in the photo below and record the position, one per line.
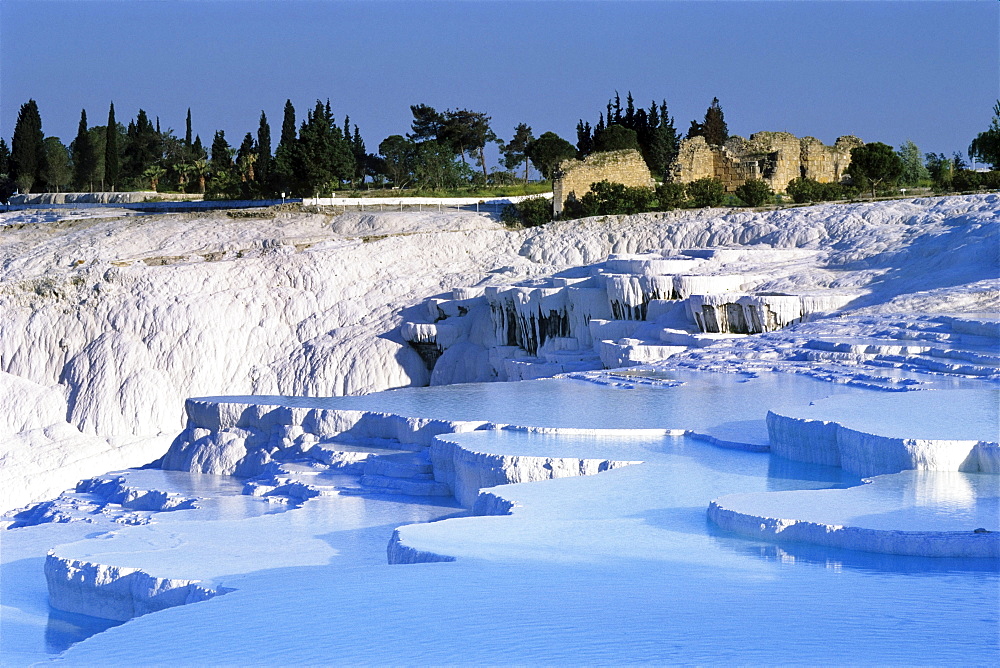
(492, 205)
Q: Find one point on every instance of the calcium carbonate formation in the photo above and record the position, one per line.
(108, 332)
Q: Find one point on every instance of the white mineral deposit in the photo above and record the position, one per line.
(726, 437)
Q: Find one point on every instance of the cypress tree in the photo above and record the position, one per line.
(187, 129)
(264, 151)
(84, 156)
(360, 155)
(584, 139)
(27, 155)
(111, 163)
(714, 128)
(629, 120)
(284, 154)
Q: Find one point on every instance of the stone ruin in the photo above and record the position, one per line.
(576, 176)
(775, 157)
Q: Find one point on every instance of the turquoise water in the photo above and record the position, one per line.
(618, 568)
(731, 406)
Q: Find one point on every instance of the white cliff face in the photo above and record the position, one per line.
(42, 454)
(177, 309)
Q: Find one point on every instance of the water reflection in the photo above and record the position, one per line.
(65, 629)
(838, 559)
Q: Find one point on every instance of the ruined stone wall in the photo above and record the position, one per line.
(695, 160)
(576, 176)
(775, 157)
(780, 157)
(826, 164)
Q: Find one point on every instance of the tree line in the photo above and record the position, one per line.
(444, 149)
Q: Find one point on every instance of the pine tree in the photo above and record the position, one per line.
(311, 160)
(659, 147)
(515, 151)
(84, 156)
(4, 158)
(264, 151)
(142, 147)
(111, 162)
(27, 153)
(427, 124)
(222, 153)
(198, 150)
(714, 128)
(7, 186)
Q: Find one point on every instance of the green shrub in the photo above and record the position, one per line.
(755, 192)
(991, 180)
(707, 192)
(529, 212)
(966, 180)
(831, 191)
(670, 196)
(574, 208)
(606, 198)
(803, 190)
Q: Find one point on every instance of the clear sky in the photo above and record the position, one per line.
(885, 71)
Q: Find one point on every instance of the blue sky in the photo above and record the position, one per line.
(885, 71)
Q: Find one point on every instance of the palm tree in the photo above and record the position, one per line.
(154, 173)
(246, 163)
(183, 169)
(200, 169)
